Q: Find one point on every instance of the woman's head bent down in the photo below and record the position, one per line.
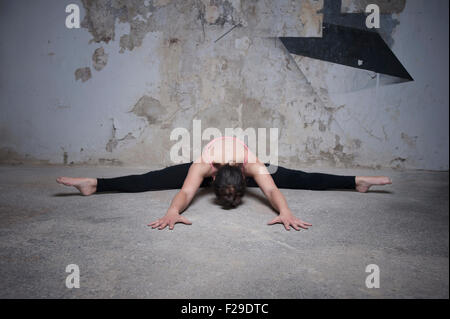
(229, 185)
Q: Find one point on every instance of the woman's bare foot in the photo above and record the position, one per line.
(363, 183)
(86, 186)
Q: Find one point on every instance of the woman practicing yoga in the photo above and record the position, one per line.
(229, 166)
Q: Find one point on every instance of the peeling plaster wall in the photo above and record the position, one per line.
(111, 92)
(402, 125)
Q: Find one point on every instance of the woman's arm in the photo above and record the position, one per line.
(265, 181)
(180, 202)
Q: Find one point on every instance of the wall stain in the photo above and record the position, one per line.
(310, 18)
(99, 59)
(101, 16)
(217, 12)
(173, 41)
(322, 126)
(114, 142)
(10, 157)
(398, 162)
(110, 161)
(83, 74)
(410, 141)
(149, 108)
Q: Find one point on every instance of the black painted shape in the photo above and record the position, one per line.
(345, 45)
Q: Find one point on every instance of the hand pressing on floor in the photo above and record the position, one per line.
(179, 204)
(170, 219)
(288, 219)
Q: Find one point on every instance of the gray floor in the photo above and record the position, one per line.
(402, 228)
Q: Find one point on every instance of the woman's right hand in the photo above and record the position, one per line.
(170, 219)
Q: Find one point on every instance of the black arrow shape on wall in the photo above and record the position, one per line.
(349, 46)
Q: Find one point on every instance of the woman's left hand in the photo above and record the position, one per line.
(288, 219)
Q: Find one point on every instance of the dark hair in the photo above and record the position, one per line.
(229, 185)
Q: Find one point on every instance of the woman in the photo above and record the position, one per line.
(230, 167)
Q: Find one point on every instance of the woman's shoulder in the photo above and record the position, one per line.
(254, 166)
(203, 165)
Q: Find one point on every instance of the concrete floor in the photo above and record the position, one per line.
(402, 228)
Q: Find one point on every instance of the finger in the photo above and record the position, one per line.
(274, 221)
(153, 223)
(171, 225)
(303, 226)
(286, 225)
(295, 226)
(163, 225)
(156, 225)
(184, 220)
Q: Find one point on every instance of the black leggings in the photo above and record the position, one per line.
(173, 177)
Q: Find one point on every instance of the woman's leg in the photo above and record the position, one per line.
(167, 178)
(296, 179)
(171, 177)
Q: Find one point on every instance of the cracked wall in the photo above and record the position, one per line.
(116, 88)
